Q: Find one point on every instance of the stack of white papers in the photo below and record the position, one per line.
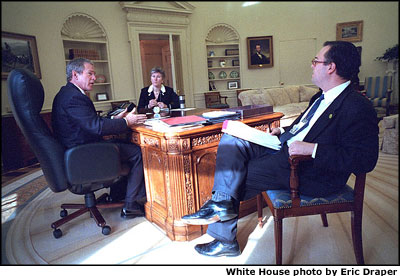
(248, 133)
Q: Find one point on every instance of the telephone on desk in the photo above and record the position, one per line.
(115, 111)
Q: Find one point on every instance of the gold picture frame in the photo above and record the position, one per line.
(19, 51)
(265, 58)
(349, 31)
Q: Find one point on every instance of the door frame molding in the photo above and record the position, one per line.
(172, 19)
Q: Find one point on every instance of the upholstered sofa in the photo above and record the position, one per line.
(390, 141)
(290, 100)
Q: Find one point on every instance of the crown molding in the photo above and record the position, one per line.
(170, 13)
(170, 8)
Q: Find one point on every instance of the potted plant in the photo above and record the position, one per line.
(390, 54)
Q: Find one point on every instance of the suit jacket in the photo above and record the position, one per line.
(347, 137)
(75, 121)
(169, 97)
(255, 59)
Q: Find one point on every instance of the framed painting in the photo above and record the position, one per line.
(260, 52)
(19, 51)
(349, 31)
(233, 84)
(102, 97)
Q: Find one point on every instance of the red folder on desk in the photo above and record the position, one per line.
(184, 120)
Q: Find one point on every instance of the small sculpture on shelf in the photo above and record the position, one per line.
(211, 86)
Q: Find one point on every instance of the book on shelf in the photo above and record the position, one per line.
(251, 134)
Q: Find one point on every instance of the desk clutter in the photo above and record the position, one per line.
(181, 123)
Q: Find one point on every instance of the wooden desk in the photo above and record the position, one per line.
(179, 173)
(16, 152)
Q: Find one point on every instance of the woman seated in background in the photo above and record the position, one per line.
(157, 94)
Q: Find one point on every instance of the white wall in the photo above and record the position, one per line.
(291, 21)
(282, 20)
(45, 19)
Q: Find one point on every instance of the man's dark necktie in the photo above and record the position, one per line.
(288, 134)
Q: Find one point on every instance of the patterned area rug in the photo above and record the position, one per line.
(20, 192)
(29, 208)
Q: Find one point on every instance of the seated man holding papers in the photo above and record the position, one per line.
(339, 130)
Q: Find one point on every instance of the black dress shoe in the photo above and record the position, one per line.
(211, 212)
(130, 214)
(218, 248)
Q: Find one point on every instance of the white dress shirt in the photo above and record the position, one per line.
(329, 97)
(151, 88)
(80, 89)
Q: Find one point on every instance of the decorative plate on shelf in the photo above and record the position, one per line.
(234, 74)
(100, 79)
(222, 75)
(211, 76)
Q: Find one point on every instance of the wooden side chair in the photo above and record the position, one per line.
(213, 100)
(285, 204)
(378, 90)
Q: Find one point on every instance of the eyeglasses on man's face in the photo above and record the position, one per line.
(314, 62)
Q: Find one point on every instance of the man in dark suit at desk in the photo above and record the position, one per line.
(339, 130)
(258, 58)
(75, 122)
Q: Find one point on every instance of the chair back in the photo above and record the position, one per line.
(213, 100)
(26, 96)
(377, 89)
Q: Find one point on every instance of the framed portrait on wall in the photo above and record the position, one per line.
(19, 51)
(260, 52)
(349, 31)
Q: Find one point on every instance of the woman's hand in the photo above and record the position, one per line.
(162, 105)
(153, 103)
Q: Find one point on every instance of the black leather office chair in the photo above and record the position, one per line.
(82, 170)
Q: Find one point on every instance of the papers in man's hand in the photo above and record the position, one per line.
(243, 131)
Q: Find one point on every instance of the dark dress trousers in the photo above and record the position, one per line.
(169, 97)
(75, 122)
(347, 137)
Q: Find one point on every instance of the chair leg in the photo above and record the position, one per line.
(260, 210)
(97, 216)
(68, 218)
(356, 231)
(278, 240)
(324, 220)
(90, 206)
(72, 206)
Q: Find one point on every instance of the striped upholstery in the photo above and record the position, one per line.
(377, 90)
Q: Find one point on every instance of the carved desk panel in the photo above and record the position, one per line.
(179, 173)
